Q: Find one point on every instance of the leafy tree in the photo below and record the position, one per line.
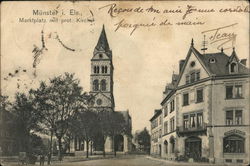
(143, 138)
(118, 126)
(57, 102)
(25, 120)
(87, 126)
(4, 103)
(104, 127)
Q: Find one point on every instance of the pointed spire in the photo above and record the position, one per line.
(192, 42)
(233, 55)
(103, 42)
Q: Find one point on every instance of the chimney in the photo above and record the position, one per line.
(243, 61)
(181, 63)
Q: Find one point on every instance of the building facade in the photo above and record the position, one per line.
(211, 109)
(156, 133)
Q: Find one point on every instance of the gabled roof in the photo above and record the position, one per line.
(102, 44)
(157, 113)
(219, 68)
(221, 65)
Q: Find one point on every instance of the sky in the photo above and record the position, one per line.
(143, 61)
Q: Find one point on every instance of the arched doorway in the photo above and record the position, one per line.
(193, 148)
(119, 143)
(166, 147)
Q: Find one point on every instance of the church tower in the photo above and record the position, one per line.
(101, 78)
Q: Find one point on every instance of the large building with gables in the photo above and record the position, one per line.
(205, 110)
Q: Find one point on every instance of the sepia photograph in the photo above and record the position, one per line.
(124, 83)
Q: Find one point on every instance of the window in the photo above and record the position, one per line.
(187, 79)
(172, 141)
(238, 117)
(197, 76)
(172, 106)
(96, 85)
(165, 127)
(229, 92)
(234, 91)
(185, 122)
(199, 119)
(199, 95)
(238, 91)
(94, 69)
(103, 85)
(160, 133)
(166, 146)
(106, 69)
(160, 120)
(194, 120)
(234, 117)
(185, 99)
(211, 60)
(166, 111)
(229, 117)
(103, 69)
(97, 69)
(100, 56)
(192, 77)
(172, 125)
(233, 144)
(233, 67)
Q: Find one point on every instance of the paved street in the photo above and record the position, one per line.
(124, 160)
(131, 160)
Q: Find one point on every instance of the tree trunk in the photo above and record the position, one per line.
(114, 143)
(91, 148)
(103, 147)
(60, 149)
(87, 153)
(50, 148)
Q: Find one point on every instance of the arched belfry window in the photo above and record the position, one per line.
(106, 69)
(103, 85)
(233, 67)
(233, 144)
(94, 69)
(95, 85)
(103, 69)
(97, 69)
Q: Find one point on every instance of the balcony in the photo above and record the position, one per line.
(198, 130)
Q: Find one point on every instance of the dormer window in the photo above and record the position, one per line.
(212, 60)
(233, 67)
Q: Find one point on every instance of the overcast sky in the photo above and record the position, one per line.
(143, 61)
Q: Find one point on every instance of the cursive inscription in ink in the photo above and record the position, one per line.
(221, 36)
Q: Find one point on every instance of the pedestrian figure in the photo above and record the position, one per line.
(42, 158)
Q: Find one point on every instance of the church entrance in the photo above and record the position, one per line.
(119, 143)
(193, 148)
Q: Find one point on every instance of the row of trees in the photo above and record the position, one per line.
(59, 108)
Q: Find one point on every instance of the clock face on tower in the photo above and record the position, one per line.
(99, 101)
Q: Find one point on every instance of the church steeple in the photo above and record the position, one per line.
(102, 44)
(102, 75)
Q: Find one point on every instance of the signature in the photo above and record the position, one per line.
(221, 37)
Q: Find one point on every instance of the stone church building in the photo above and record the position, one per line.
(101, 87)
